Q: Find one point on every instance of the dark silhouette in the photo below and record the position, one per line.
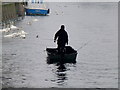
(48, 11)
(62, 38)
(37, 36)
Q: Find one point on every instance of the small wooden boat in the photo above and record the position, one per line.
(69, 55)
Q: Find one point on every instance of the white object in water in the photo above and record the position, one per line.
(5, 30)
(29, 23)
(23, 32)
(35, 20)
(23, 36)
(13, 27)
(12, 35)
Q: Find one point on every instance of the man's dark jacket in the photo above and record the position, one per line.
(62, 37)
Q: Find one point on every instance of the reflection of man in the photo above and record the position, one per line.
(62, 38)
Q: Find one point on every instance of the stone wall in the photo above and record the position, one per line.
(8, 12)
(11, 11)
(20, 9)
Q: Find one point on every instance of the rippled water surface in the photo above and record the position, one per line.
(92, 26)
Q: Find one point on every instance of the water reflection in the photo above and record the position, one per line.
(61, 65)
(61, 74)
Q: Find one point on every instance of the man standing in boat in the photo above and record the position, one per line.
(62, 38)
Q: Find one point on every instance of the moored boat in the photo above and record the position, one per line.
(37, 11)
(69, 56)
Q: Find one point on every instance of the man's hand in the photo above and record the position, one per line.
(67, 43)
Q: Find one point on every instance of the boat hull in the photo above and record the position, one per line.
(30, 11)
(55, 57)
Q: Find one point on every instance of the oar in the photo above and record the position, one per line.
(83, 45)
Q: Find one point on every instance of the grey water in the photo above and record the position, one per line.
(92, 27)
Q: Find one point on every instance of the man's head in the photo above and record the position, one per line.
(62, 27)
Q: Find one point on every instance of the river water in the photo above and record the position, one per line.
(91, 27)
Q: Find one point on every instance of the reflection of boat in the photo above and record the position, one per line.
(37, 11)
(68, 57)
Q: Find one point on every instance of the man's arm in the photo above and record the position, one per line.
(56, 35)
(66, 38)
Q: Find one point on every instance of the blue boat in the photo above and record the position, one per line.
(37, 11)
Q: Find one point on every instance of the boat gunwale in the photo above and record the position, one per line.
(36, 8)
(60, 54)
